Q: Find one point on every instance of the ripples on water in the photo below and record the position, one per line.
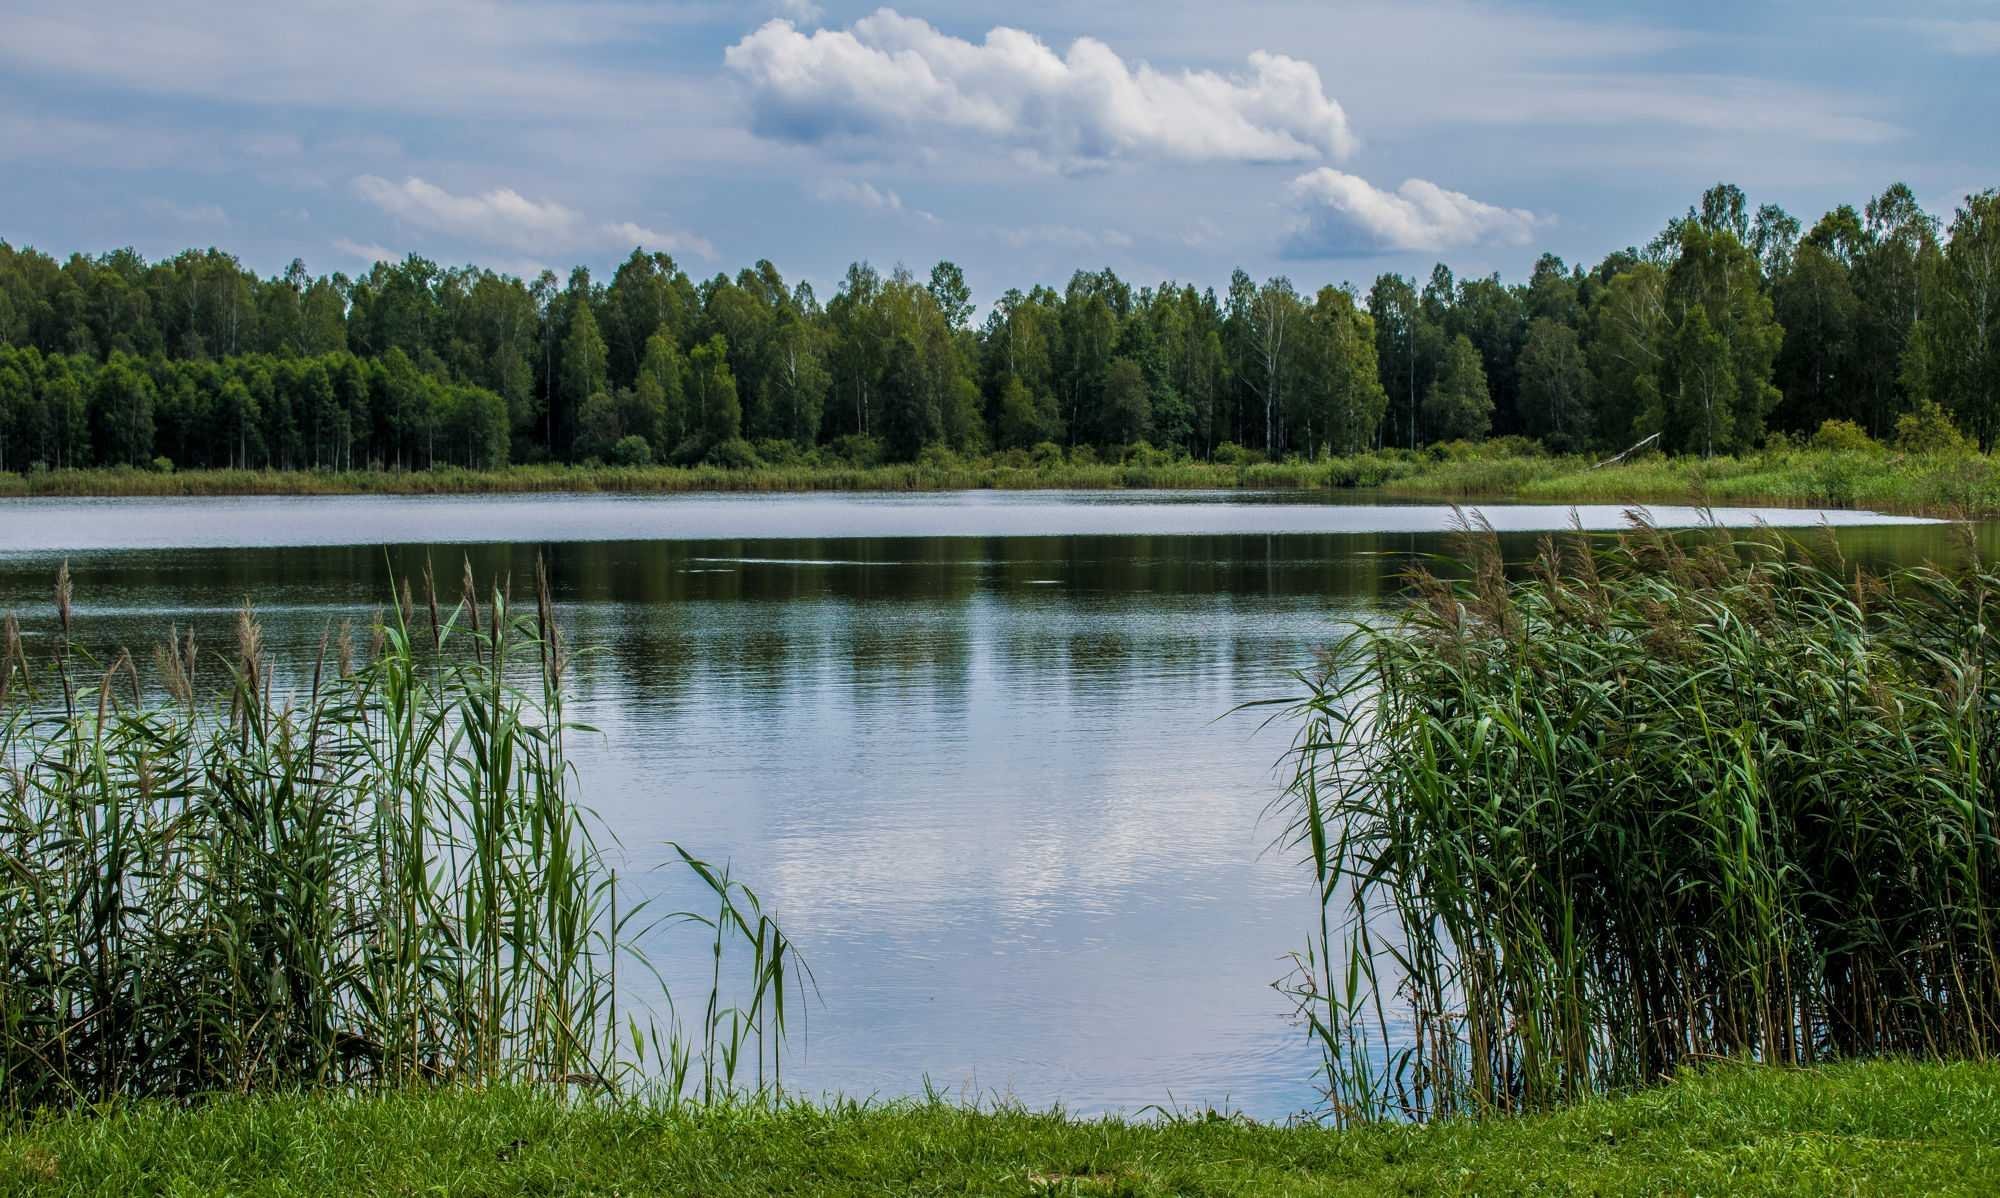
(976, 751)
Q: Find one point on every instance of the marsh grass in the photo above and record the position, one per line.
(1646, 802)
(1929, 483)
(364, 871)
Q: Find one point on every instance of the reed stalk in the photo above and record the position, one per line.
(364, 873)
(1646, 801)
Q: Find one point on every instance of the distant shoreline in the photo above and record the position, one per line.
(1964, 484)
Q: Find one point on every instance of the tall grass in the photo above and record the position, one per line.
(1648, 802)
(217, 876)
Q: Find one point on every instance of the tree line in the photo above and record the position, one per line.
(1728, 325)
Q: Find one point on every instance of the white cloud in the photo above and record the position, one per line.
(505, 217)
(805, 12)
(501, 216)
(1340, 215)
(1067, 237)
(628, 233)
(897, 79)
(859, 193)
(366, 251)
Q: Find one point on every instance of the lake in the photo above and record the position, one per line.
(981, 753)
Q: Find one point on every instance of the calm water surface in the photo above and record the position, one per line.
(976, 751)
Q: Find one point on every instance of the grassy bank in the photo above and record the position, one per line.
(1877, 479)
(1943, 484)
(929, 476)
(1882, 1128)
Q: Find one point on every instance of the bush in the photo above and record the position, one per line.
(1142, 453)
(858, 451)
(938, 457)
(163, 465)
(1929, 429)
(632, 450)
(1843, 436)
(1229, 453)
(778, 451)
(1047, 454)
(1514, 446)
(734, 454)
(1082, 455)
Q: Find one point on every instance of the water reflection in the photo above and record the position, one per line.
(990, 782)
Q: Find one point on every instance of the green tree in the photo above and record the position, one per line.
(121, 414)
(597, 428)
(950, 293)
(1555, 387)
(655, 406)
(711, 390)
(1128, 403)
(1958, 363)
(584, 372)
(1457, 406)
(1703, 391)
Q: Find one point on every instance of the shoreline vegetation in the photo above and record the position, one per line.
(1685, 839)
(1881, 1127)
(1956, 482)
(1737, 330)
(1582, 821)
(221, 873)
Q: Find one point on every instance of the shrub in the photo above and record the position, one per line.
(1047, 454)
(1229, 453)
(1082, 455)
(632, 450)
(734, 454)
(778, 451)
(1513, 445)
(163, 465)
(857, 451)
(938, 457)
(1929, 429)
(1843, 436)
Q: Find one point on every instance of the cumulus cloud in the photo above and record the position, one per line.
(505, 217)
(629, 233)
(368, 252)
(859, 193)
(501, 216)
(1340, 215)
(896, 79)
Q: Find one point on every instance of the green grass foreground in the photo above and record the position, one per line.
(1872, 1128)
(1937, 484)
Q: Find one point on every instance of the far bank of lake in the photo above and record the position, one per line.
(1946, 484)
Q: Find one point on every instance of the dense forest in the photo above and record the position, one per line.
(1729, 325)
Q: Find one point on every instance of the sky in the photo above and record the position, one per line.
(1323, 140)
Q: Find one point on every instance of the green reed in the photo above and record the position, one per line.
(369, 873)
(1652, 800)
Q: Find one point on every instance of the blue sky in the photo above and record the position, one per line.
(1327, 141)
